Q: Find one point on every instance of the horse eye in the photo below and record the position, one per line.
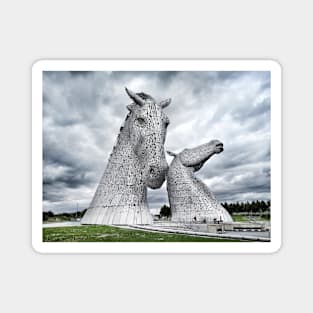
(141, 121)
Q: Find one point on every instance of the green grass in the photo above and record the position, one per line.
(240, 218)
(101, 233)
(245, 218)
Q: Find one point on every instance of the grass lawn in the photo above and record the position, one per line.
(245, 218)
(101, 233)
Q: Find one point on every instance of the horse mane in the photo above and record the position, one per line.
(119, 135)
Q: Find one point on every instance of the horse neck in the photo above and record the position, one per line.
(124, 169)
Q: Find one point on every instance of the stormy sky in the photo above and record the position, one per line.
(83, 112)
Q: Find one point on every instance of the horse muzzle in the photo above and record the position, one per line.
(156, 176)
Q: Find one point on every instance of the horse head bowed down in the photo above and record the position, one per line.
(147, 133)
(136, 162)
(190, 199)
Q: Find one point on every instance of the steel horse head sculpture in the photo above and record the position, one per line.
(136, 162)
(190, 199)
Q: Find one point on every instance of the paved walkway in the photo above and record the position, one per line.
(232, 235)
(61, 224)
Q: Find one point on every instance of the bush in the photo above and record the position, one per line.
(165, 211)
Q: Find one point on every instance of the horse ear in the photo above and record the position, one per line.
(163, 104)
(135, 97)
(171, 153)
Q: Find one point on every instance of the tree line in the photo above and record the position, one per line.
(234, 207)
(50, 216)
(248, 207)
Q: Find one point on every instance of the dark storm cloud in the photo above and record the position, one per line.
(226, 75)
(83, 112)
(80, 73)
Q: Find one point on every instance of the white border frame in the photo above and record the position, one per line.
(156, 65)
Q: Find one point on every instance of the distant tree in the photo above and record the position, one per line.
(46, 215)
(165, 211)
(81, 213)
(225, 205)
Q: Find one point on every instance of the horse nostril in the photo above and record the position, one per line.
(153, 171)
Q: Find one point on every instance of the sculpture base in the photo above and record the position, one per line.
(117, 215)
(201, 216)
